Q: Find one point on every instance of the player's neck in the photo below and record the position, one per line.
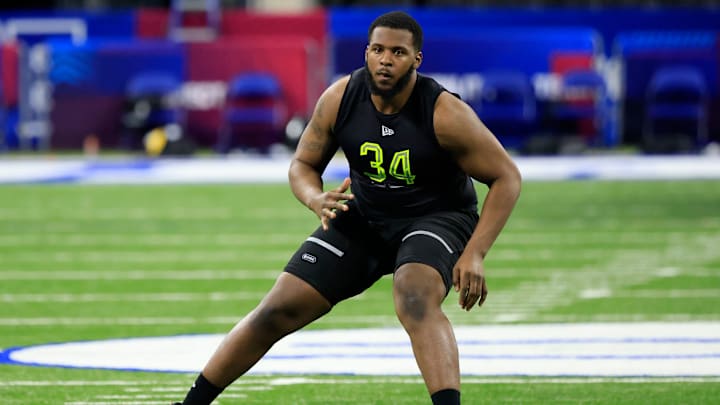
(397, 102)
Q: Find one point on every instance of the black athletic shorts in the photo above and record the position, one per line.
(355, 252)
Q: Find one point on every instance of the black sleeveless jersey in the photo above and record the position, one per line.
(397, 167)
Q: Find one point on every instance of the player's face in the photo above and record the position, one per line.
(390, 60)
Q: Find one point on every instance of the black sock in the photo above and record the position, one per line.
(446, 397)
(202, 392)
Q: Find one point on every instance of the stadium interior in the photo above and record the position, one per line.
(548, 77)
(145, 205)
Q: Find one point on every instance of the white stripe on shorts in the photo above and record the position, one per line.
(430, 234)
(326, 245)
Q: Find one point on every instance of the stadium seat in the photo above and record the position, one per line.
(149, 105)
(254, 115)
(676, 117)
(584, 100)
(507, 105)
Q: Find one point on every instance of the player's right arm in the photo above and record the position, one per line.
(315, 149)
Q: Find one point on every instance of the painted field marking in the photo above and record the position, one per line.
(269, 380)
(143, 275)
(599, 350)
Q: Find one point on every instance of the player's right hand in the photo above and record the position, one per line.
(326, 204)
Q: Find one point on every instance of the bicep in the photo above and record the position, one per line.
(475, 148)
(316, 145)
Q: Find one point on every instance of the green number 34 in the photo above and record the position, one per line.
(399, 166)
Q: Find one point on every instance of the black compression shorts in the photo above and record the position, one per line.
(354, 252)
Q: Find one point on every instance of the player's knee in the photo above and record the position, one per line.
(411, 299)
(416, 296)
(410, 306)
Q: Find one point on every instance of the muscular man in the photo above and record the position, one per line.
(413, 149)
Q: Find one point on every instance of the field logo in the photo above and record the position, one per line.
(582, 350)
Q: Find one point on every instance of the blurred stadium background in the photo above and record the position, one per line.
(548, 77)
(213, 93)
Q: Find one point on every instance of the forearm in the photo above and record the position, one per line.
(496, 209)
(305, 181)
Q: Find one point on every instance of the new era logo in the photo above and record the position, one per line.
(387, 131)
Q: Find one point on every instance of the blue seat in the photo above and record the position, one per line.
(150, 104)
(676, 104)
(507, 105)
(584, 98)
(254, 115)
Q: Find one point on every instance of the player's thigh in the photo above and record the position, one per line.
(437, 241)
(293, 295)
(341, 262)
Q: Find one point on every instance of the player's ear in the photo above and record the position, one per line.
(367, 49)
(418, 59)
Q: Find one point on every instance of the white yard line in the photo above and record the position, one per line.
(388, 320)
(549, 237)
(145, 239)
(132, 297)
(659, 294)
(134, 256)
(81, 383)
(651, 225)
(116, 403)
(194, 253)
(69, 321)
(493, 272)
(181, 386)
(79, 275)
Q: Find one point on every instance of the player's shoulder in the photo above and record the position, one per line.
(452, 117)
(333, 94)
(451, 105)
(337, 88)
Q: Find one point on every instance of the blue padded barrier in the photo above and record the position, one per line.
(465, 50)
(607, 21)
(106, 65)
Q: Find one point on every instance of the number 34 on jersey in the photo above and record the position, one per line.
(399, 165)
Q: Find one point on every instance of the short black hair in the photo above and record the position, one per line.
(399, 20)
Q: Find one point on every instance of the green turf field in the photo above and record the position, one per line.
(94, 262)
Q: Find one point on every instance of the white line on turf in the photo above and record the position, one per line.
(146, 239)
(387, 320)
(132, 297)
(29, 238)
(181, 386)
(199, 274)
(219, 274)
(116, 403)
(131, 256)
(652, 294)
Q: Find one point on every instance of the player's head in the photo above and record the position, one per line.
(393, 53)
(399, 20)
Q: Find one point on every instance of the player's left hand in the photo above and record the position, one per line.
(469, 280)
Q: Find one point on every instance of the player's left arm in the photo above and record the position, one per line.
(480, 155)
